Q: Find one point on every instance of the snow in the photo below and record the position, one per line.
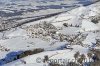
(91, 38)
(69, 31)
(19, 32)
(59, 54)
(18, 39)
(87, 25)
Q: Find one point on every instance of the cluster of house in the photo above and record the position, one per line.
(41, 30)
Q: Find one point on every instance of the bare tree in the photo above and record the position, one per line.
(83, 57)
(89, 55)
(76, 55)
(80, 61)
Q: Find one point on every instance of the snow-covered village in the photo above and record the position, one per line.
(49, 32)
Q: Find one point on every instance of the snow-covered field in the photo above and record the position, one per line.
(54, 34)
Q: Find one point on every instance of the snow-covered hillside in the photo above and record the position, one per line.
(78, 28)
(15, 12)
